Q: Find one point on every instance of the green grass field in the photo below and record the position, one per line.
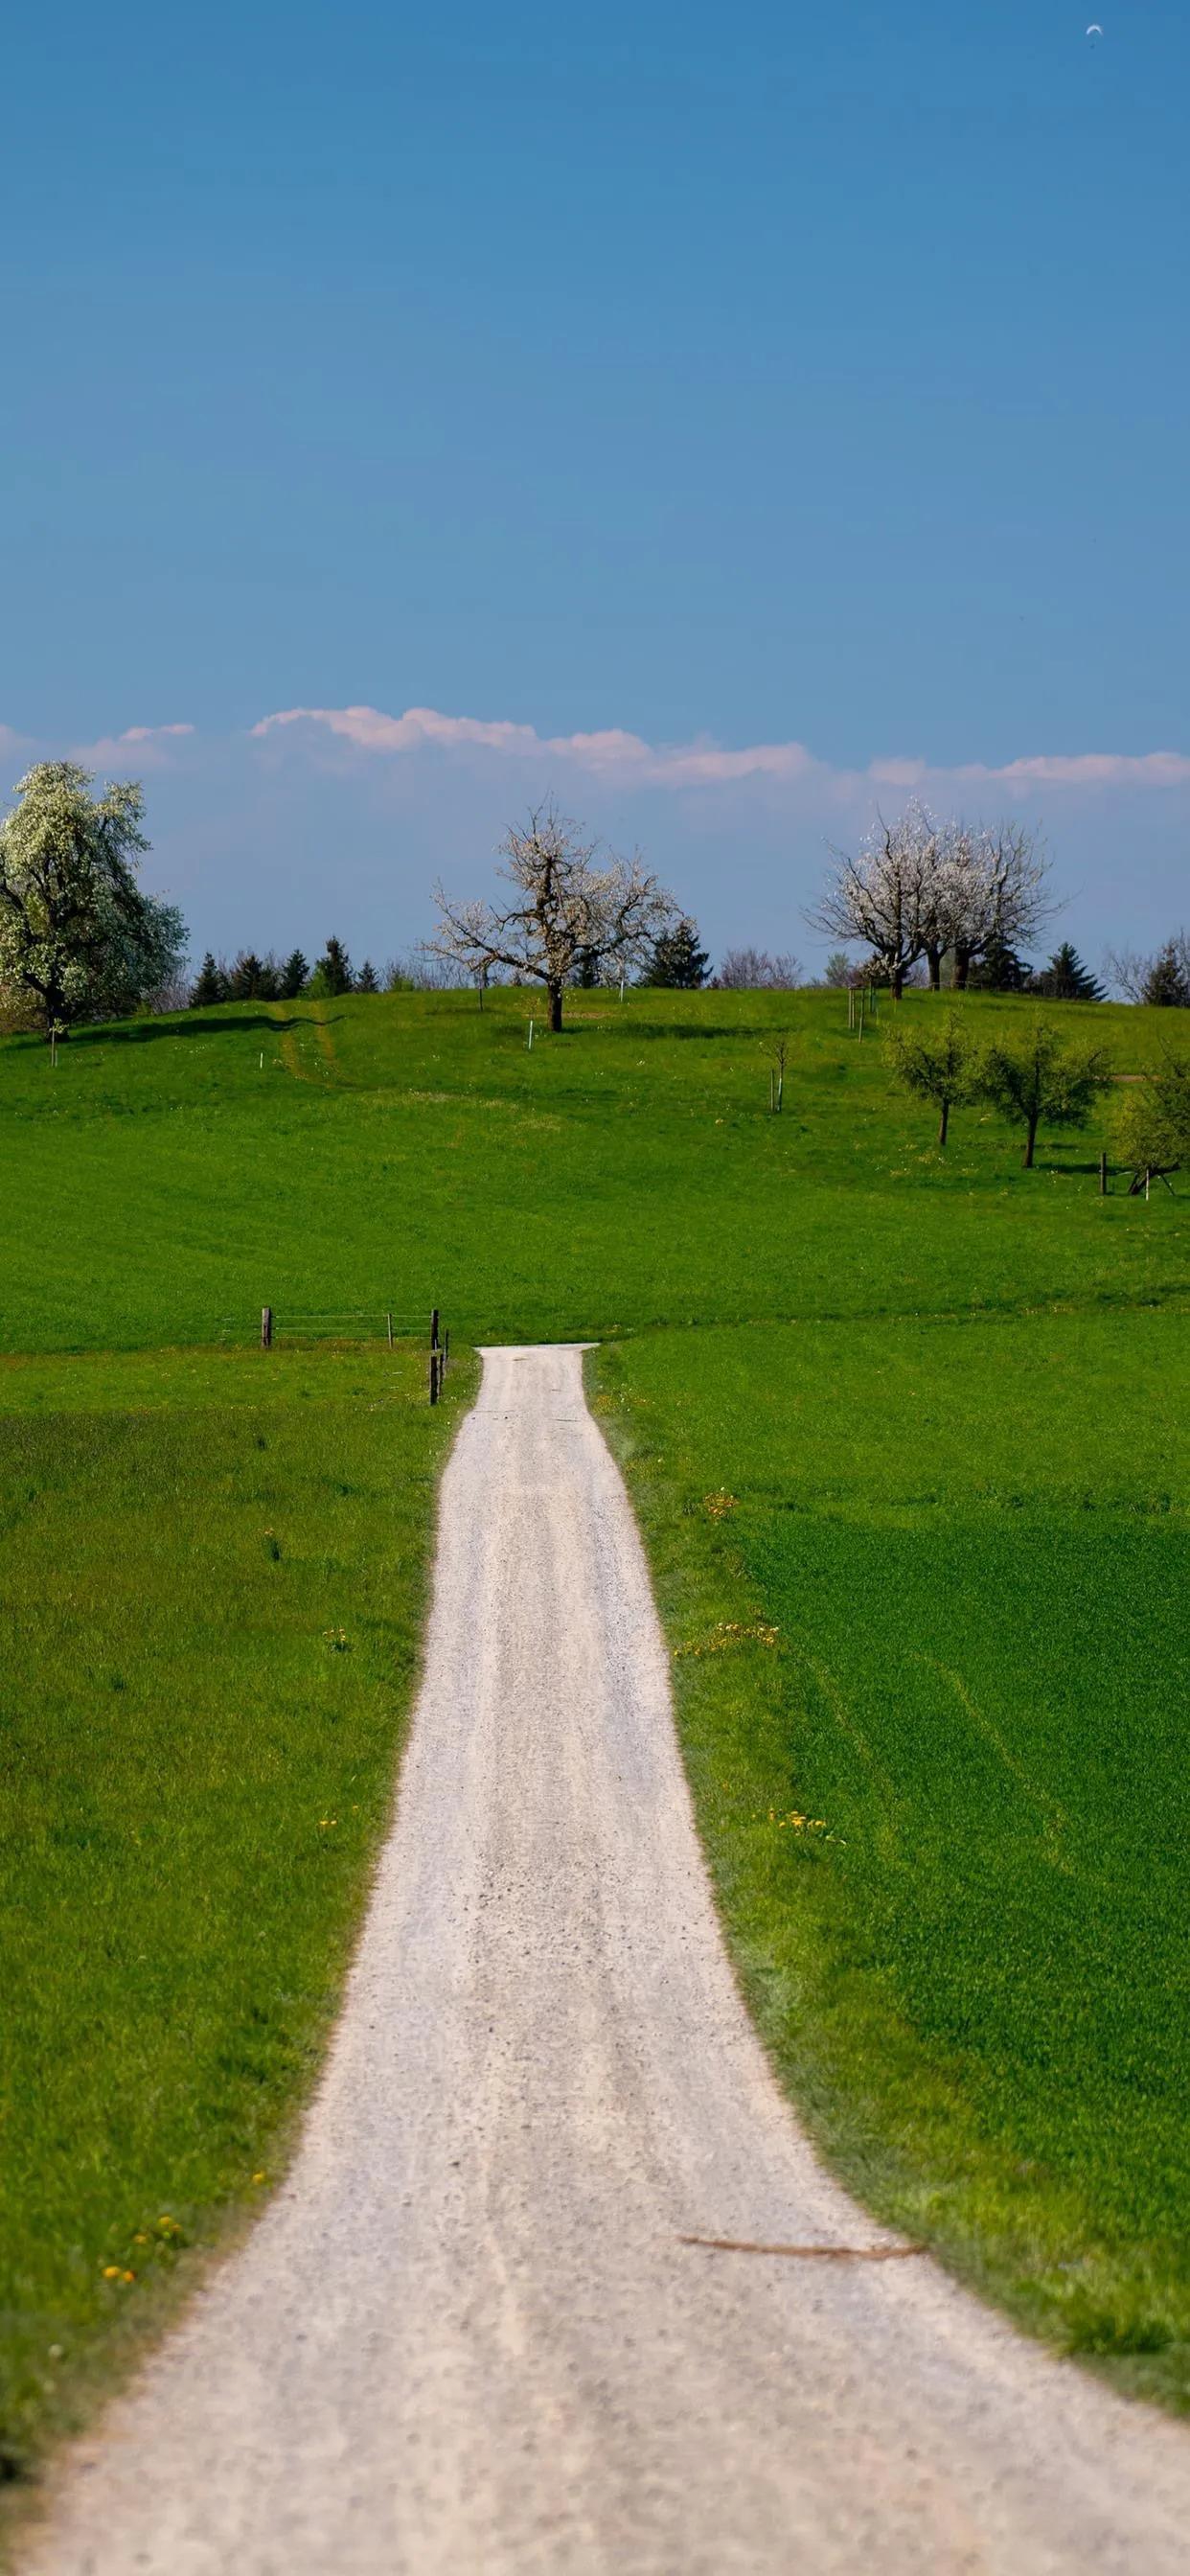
(928, 1587)
(908, 1439)
(210, 1594)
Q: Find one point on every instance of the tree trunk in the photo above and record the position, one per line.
(52, 1004)
(934, 962)
(944, 1122)
(555, 994)
(898, 982)
(962, 969)
(1030, 1143)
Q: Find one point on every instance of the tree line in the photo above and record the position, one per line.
(270, 978)
(922, 897)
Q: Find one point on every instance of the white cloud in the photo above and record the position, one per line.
(1087, 769)
(612, 753)
(149, 745)
(152, 733)
(630, 760)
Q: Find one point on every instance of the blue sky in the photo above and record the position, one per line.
(739, 378)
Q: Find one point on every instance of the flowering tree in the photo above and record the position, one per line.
(887, 895)
(923, 887)
(573, 918)
(78, 937)
(991, 893)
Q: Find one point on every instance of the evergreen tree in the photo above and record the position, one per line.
(1167, 983)
(244, 981)
(1000, 970)
(1066, 979)
(678, 964)
(294, 974)
(332, 975)
(367, 980)
(210, 985)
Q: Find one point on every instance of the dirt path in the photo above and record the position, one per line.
(468, 2334)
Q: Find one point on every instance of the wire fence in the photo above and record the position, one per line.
(373, 1326)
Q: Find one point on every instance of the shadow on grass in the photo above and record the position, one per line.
(712, 1031)
(141, 1032)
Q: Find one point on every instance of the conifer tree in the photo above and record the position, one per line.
(1167, 983)
(210, 985)
(244, 980)
(999, 970)
(367, 980)
(1066, 979)
(678, 964)
(294, 974)
(333, 975)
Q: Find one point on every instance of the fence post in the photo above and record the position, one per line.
(434, 1377)
(266, 1328)
(1103, 1175)
(389, 1321)
(433, 1328)
(445, 1349)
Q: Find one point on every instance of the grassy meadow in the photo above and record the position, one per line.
(927, 1584)
(907, 1435)
(211, 1588)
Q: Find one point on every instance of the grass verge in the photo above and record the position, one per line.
(214, 1573)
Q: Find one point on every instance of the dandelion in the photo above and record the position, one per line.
(260, 2177)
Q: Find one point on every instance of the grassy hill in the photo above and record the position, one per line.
(908, 1439)
(396, 1152)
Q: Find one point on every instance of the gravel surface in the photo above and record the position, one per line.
(469, 2332)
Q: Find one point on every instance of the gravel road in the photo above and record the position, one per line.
(467, 2333)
